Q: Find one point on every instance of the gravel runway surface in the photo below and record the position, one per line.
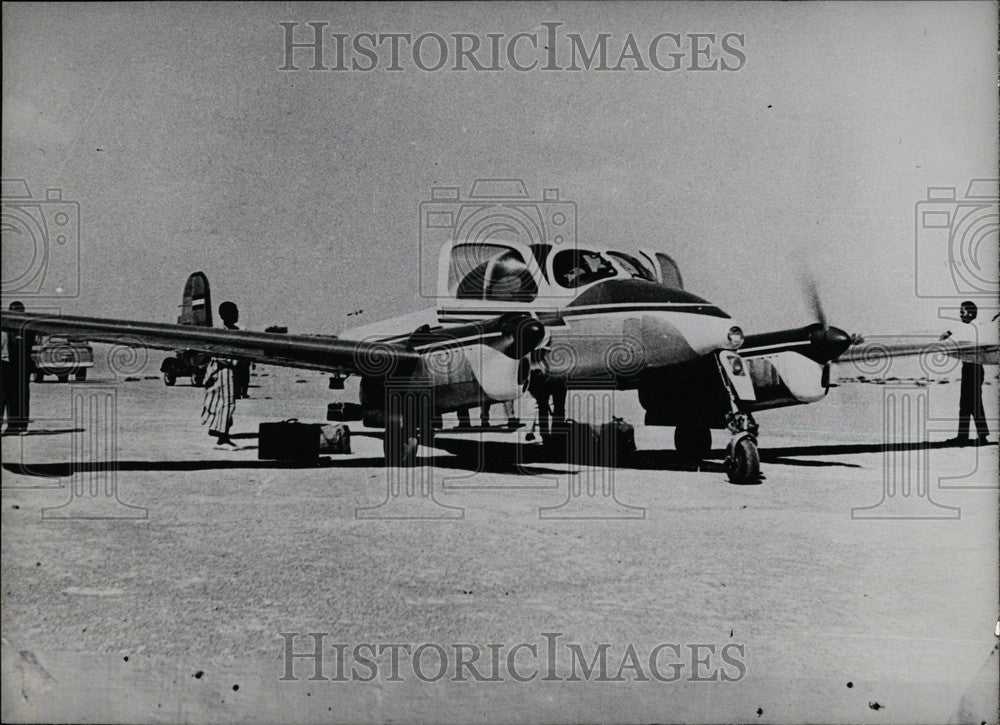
(799, 611)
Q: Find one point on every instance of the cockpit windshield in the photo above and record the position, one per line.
(578, 267)
(490, 272)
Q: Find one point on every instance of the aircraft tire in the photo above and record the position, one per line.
(743, 462)
(693, 441)
(400, 443)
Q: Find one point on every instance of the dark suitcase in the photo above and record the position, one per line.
(341, 412)
(575, 441)
(616, 442)
(291, 440)
(610, 444)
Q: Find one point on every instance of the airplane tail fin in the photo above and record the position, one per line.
(196, 305)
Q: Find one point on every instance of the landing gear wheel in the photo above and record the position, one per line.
(81, 374)
(743, 461)
(169, 379)
(693, 441)
(400, 442)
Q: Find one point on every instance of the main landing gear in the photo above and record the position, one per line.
(693, 441)
(742, 462)
(409, 422)
(401, 441)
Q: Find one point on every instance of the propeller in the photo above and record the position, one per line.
(812, 292)
(828, 342)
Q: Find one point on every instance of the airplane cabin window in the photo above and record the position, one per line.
(578, 267)
(509, 280)
(633, 266)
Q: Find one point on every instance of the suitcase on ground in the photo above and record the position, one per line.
(334, 438)
(575, 440)
(291, 440)
(616, 441)
(341, 412)
(610, 444)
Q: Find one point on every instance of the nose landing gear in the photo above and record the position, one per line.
(742, 462)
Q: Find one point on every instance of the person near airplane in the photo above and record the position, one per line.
(970, 404)
(508, 408)
(17, 369)
(220, 388)
(550, 397)
(230, 315)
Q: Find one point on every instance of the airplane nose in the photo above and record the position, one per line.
(828, 343)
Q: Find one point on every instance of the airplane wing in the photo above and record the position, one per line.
(878, 348)
(297, 351)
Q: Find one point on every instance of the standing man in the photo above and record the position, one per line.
(230, 315)
(17, 369)
(544, 390)
(220, 393)
(970, 403)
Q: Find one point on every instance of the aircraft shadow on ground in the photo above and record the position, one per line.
(68, 468)
(479, 457)
(47, 432)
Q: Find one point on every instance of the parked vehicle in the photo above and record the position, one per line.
(62, 357)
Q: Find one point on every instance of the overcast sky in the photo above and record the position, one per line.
(297, 192)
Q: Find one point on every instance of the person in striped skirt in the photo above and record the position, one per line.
(220, 392)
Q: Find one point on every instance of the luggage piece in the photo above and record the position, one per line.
(334, 438)
(605, 445)
(341, 412)
(291, 440)
(575, 440)
(617, 441)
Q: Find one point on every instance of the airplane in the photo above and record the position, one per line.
(196, 309)
(582, 315)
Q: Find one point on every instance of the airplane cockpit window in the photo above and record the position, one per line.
(490, 272)
(633, 266)
(578, 267)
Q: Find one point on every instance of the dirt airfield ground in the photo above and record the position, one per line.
(176, 616)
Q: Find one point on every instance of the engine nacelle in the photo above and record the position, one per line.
(500, 376)
(786, 378)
